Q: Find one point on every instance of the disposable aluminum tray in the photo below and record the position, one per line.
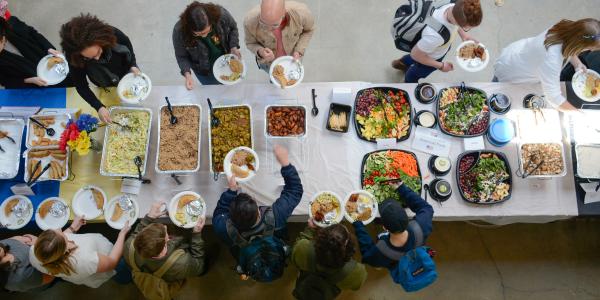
(45, 161)
(564, 161)
(287, 136)
(580, 174)
(157, 169)
(9, 167)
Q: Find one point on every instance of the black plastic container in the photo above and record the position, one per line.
(476, 154)
(358, 127)
(336, 108)
(364, 160)
(418, 121)
(466, 88)
(425, 93)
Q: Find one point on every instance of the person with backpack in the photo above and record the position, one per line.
(395, 248)
(255, 234)
(161, 260)
(426, 29)
(16, 272)
(324, 258)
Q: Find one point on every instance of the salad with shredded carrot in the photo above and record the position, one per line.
(390, 164)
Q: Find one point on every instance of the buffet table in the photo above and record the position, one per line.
(325, 160)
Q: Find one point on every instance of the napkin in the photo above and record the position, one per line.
(591, 195)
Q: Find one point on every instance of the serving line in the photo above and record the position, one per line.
(334, 158)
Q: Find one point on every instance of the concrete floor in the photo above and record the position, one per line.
(559, 260)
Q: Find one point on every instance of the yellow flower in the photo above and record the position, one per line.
(82, 144)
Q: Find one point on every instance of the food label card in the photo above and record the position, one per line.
(431, 141)
(386, 143)
(474, 143)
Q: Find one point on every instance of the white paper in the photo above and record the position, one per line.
(22, 189)
(474, 143)
(342, 96)
(591, 195)
(131, 186)
(431, 141)
(386, 143)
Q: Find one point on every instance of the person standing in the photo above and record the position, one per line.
(99, 51)
(204, 32)
(427, 55)
(541, 58)
(278, 28)
(16, 272)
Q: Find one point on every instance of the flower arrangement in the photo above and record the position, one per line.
(77, 134)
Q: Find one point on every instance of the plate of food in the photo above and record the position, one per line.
(463, 111)
(228, 69)
(36, 161)
(472, 56)
(185, 209)
(586, 85)
(16, 212)
(286, 72)
(484, 177)
(38, 137)
(385, 165)
(241, 162)
(120, 209)
(89, 201)
(52, 213)
(234, 130)
(53, 69)
(361, 206)
(179, 144)
(382, 112)
(542, 160)
(133, 89)
(11, 135)
(285, 121)
(326, 208)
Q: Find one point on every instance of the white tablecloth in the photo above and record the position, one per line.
(331, 161)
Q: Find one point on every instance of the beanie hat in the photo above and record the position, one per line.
(393, 216)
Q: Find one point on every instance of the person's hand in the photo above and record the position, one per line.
(395, 184)
(135, 71)
(580, 67)
(25, 239)
(232, 183)
(297, 55)
(104, 115)
(567, 107)
(236, 51)
(125, 229)
(266, 54)
(447, 67)
(54, 52)
(31, 239)
(199, 225)
(156, 211)
(468, 37)
(281, 153)
(189, 82)
(77, 223)
(36, 80)
(311, 223)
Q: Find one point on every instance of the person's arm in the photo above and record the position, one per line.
(365, 242)
(355, 279)
(299, 257)
(124, 40)
(308, 29)
(233, 37)
(109, 262)
(429, 42)
(290, 196)
(181, 55)
(549, 74)
(83, 87)
(420, 56)
(577, 63)
(221, 215)
(38, 37)
(250, 37)
(13, 82)
(423, 211)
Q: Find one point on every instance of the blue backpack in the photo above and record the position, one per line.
(415, 269)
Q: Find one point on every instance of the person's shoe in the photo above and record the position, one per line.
(399, 65)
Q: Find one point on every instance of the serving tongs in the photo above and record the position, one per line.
(461, 90)
(5, 135)
(524, 173)
(33, 180)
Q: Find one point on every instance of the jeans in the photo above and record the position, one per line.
(416, 70)
(123, 275)
(207, 79)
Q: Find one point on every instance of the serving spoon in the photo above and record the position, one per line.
(49, 131)
(173, 119)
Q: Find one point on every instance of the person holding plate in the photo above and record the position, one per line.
(99, 51)
(204, 32)
(278, 28)
(16, 272)
(541, 58)
(21, 48)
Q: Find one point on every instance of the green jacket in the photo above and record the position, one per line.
(300, 259)
(190, 264)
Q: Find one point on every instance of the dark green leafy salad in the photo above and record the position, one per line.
(463, 114)
(483, 179)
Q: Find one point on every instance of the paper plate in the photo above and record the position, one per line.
(128, 82)
(52, 76)
(12, 221)
(472, 65)
(84, 204)
(131, 215)
(190, 221)
(290, 66)
(578, 84)
(50, 221)
(339, 215)
(227, 164)
(221, 67)
(373, 206)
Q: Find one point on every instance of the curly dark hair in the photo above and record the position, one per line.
(334, 246)
(82, 32)
(196, 17)
(4, 27)
(243, 211)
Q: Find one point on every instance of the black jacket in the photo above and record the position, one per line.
(119, 64)
(14, 69)
(196, 57)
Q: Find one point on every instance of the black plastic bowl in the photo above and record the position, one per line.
(478, 153)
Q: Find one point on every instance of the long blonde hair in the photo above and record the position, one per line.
(51, 250)
(575, 36)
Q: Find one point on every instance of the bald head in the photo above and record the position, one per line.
(272, 11)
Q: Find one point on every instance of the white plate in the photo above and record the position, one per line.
(83, 203)
(221, 67)
(338, 217)
(130, 216)
(227, 163)
(190, 220)
(11, 158)
(467, 64)
(578, 84)
(51, 222)
(289, 65)
(373, 206)
(128, 81)
(51, 76)
(12, 222)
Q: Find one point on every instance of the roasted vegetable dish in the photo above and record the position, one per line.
(233, 131)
